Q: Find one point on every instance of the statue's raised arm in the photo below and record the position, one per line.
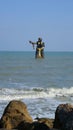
(32, 44)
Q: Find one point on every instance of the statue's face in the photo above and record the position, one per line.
(39, 39)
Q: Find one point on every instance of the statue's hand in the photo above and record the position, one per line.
(30, 41)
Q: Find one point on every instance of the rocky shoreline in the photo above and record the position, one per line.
(16, 116)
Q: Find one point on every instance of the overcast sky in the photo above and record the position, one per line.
(24, 20)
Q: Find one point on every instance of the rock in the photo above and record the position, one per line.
(33, 126)
(15, 113)
(39, 126)
(36, 125)
(47, 121)
(25, 126)
(64, 117)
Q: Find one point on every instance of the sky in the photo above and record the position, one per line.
(24, 20)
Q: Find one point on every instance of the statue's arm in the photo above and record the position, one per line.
(32, 42)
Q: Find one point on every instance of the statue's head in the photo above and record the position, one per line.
(39, 39)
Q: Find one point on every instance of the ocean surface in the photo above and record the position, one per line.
(42, 84)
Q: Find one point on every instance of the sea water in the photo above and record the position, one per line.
(42, 84)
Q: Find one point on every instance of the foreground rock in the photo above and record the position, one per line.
(46, 121)
(16, 116)
(15, 113)
(64, 117)
(36, 125)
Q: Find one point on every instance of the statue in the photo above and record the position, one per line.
(39, 48)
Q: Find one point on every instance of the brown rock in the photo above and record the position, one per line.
(64, 117)
(39, 126)
(47, 121)
(33, 126)
(14, 114)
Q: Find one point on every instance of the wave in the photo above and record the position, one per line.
(33, 93)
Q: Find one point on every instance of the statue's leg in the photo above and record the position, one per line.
(42, 53)
(36, 53)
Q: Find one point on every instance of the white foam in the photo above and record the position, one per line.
(12, 93)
